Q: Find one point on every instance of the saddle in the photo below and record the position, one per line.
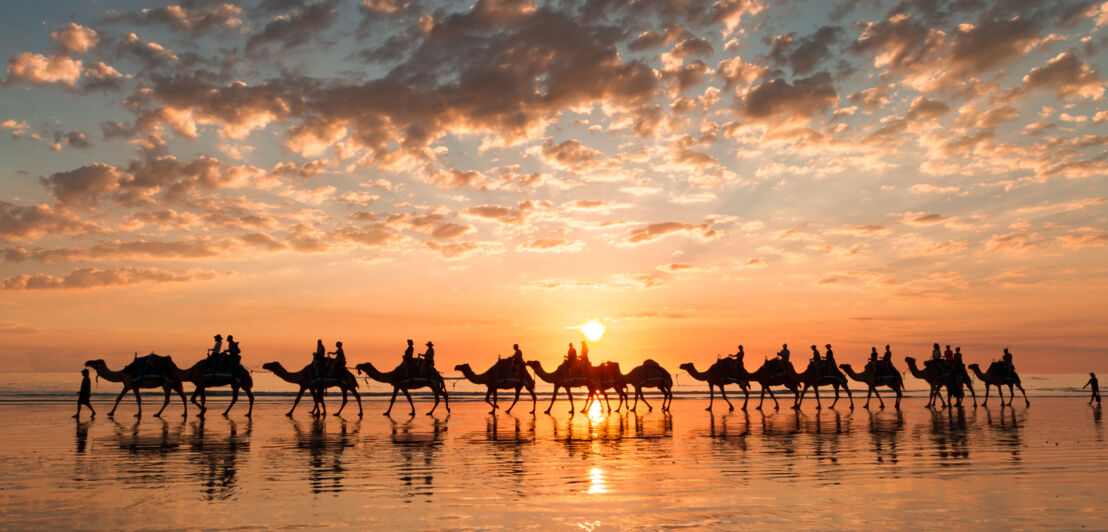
(143, 368)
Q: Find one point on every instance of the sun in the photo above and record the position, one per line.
(593, 330)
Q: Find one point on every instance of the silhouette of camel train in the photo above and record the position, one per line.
(223, 368)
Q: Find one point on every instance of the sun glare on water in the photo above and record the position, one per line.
(593, 330)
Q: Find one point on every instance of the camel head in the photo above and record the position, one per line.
(363, 368)
(687, 366)
(98, 363)
(271, 366)
(461, 367)
(845, 367)
(974, 367)
(533, 364)
(910, 360)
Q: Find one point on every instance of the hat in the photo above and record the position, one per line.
(230, 337)
(85, 372)
(338, 344)
(409, 340)
(828, 346)
(218, 337)
(429, 344)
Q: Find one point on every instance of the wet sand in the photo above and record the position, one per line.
(983, 468)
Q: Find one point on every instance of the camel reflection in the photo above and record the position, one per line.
(1006, 426)
(884, 430)
(509, 437)
(949, 432)
(326, 471)
(828, 428)
(417, 450)
(217, 455)
(82, 436)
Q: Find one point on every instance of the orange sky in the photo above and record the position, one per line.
(694, 177)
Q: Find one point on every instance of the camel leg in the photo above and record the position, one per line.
(606, 401)
(986, 401)
(250, 396)
(534, 399)
(711, 396)
(165, 404)
(815, 390)
(488, 394)
(495, 401)
(569, 392)
(203, 400)
(357, 397)
(436, 390)
(234, 398)
(746, 395)
(640, 393)
(939, 395)
(410, 403)
(878, 394)
(552, 398)
(723, 393)
(1020, 386)
(184, 402)
(445, 397)
(762, 398)
(899, 394)
(195, 394)
(836, 401)
(776, 405)
(516, 400)
(868, 394)
(343, 405)
(117, 400)
(295, 402)
(848, 395)
(395, 390)
(138, 399)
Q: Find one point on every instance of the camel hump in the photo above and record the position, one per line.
(651, 363)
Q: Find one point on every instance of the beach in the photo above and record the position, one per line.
(977, 468)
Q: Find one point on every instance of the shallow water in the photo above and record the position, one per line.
(1040, 466)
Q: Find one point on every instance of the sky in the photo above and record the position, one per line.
(695, 175)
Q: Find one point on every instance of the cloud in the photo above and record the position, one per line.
(190, 17)
(84, 278)
(118, 250)
(74, 39)
(551, 245)
(147, 54)
(919, 218)
(1066, 76)
(655, 231)
(38, 69)
(19, 222)
(296, 29)
(502, 214)
(806, 54)
(778, 100)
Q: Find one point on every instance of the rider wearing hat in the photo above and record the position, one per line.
(217, 349)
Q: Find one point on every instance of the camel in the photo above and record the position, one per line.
(304, 378)
(813, 377)
(493, 380)
(202, 380)
(149, 380)
(965, 380)
(993, 377)
(601, 378)
(776, 372)
(892, 380)
(561, 378)
(650, 374)
(720, 373)
(935, 379)
(401, 382)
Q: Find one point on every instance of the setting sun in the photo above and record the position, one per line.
(593, 330)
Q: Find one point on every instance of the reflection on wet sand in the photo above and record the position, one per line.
(884, 430)
(1007, 427)
(325, 451)
(416, 451)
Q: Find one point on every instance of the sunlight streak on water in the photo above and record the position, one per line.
(596, 482)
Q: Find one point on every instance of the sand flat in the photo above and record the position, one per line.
(1037, 467)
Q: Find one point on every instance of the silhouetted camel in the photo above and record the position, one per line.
(401, 381)
(993, 377)
(775, 372)
(601, 378)
(724, 371)
(203, 379)
(934, 377)
(308, 379)
(493, 380)
(960, 373)
(147, 381)
(561, 378)
(650, 374)
(813, 378)
(892, 379)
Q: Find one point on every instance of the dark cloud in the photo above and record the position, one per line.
(778, 99)
(19, 222)
(806, 54)
(1067, 76)
(295, 29)
(651, 232)
(194, 18)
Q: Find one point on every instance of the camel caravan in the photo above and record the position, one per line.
(943, 370)
(223, 368)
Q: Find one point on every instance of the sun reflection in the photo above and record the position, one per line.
(596, 481)
(593, 330)
(596, 412)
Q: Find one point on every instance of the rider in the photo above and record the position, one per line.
(233, 351)
(829, 359)
(816, 359)
(872, 364)
(408, 360)
(887, 360)
(739, 355)
(1011, 368)
(217, 349)
(339, 363)
(936, 353)
(783, 354)
(427, 360)
(319, 357)
(517, 360)
(948, 355)
(583, 360)
(571, 355)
